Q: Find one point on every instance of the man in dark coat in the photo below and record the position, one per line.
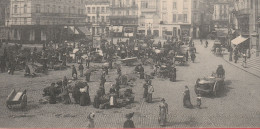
(119, 72)
(88, 74)
(146, 86)
(141, 72)
(76, 94)
(187, 55)
(27, 70)
(81, 68)
(220, 71)
(96, 101)
(52, 93)
(74, 71)
(117, 87)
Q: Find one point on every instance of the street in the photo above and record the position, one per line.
(237, 106)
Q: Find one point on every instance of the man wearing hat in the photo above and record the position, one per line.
(129, 123)
(74, 71)
(220, 71)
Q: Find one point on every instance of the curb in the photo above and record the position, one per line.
(241, 68)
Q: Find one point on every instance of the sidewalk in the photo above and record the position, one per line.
(252, 66)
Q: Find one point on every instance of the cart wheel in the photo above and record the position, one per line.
(9, 106)
(24, 101)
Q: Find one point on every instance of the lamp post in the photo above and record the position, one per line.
(8, 37)
(112, 33)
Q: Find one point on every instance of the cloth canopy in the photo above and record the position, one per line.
(84, 30)
(238, 40)
(73, 30)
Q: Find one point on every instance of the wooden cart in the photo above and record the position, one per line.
(15, 98)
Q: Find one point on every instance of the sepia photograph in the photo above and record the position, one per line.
(129, 64)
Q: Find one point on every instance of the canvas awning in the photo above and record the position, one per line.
(238, 40)
(84, 30)
(73, 30)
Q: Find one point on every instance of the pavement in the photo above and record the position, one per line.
(252, 65)
(237, 106)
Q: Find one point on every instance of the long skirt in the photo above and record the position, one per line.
(81, 72)
(149, 98)
(162, 118)
(52, 99)
(186, 102)
(96, 102)
(145, 93)
(66, 99)
(141, 75)
(83, 99)
(76, 96)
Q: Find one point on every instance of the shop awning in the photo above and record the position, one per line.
(73, 30)
(238, 40)
(84, 30)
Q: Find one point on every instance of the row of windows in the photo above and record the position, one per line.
(174, 5)
(97, 9)
(127, 12)
(176, 17)
(93, 19)
(25, 21)
(62, 1)
(123, 3)
(124, 22)
(50, 9)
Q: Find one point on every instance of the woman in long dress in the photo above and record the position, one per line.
(186, 98)
(129, 123)
(163, 113)
(150, 94)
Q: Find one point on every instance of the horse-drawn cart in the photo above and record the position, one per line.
(210, 85)
(15, 98)
(180, 58)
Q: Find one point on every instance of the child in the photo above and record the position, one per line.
(199, 101)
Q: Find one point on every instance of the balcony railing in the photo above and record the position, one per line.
(123, 16)
(59, 15)
(124, 6)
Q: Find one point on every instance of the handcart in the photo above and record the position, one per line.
(15, 98)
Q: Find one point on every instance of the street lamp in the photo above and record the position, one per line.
(112, 33)
(8, 37)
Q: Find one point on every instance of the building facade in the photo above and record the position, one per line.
(98, 12)
(221, 13)
(4, 7)
(202, 11)
(149, 17)
(175, 18)
(124, 17)
(246, 22)
(44, 20)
